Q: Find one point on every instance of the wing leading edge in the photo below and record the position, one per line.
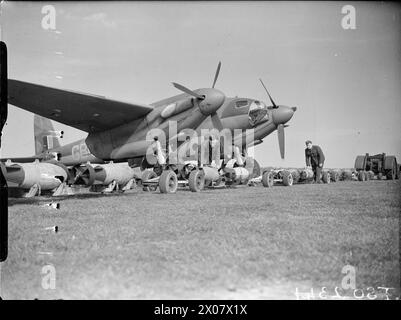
(85, 112)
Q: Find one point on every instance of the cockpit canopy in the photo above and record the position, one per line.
(257, 113)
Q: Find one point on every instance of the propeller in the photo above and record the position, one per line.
(217, 74)
(208, 102)
(274, 105)
(216, 121)
(188, 91)
(281, 140)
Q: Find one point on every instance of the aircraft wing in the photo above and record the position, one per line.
(90, 113)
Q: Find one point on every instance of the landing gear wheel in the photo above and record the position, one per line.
(326, 177)
(168, 182)
(196, 180)
(268, 179)
(361, 175)
(287, 179)
(379, 176)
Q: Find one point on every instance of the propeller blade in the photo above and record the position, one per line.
(217, 74)
(188, 91)
(281, 143)
(274, 105)
(216, 121)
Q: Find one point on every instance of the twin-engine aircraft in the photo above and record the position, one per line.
(119, 131)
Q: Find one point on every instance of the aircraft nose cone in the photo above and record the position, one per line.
(283, 114)
(213, 100)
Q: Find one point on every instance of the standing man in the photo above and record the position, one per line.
(314, 158)
(158, 152)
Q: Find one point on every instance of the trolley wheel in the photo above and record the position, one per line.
(196, 180)
(268, 179)
(168, 182)
(326, 177)
(287, 178)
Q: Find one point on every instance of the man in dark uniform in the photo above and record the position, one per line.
(314, 158)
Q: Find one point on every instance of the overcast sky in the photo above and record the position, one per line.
(345, 83)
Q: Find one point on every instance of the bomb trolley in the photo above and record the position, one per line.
(288, 177)
(198, 177)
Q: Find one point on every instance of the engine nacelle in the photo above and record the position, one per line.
(176, 107)
(24, 175)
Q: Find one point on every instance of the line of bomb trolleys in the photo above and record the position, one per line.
(157, 172)
(235, 169)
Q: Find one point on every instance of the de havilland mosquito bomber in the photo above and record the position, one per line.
(121, 134)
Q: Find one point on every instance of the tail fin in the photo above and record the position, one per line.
(45, 136)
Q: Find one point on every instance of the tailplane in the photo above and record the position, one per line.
(46, 137)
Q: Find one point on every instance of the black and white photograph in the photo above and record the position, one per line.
(200, 150)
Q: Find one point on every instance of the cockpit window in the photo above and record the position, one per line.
(257, 113)
(241, 103)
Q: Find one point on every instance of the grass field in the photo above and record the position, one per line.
(243, 243)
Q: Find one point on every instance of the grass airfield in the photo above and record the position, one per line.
(238, 243)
